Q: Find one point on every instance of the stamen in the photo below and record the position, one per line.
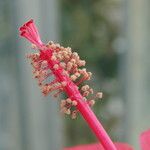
(91, 102)
(63, 59)
(74, 114)
(74, 103)
(56, 66)
(99, 95)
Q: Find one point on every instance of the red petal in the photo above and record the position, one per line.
(119, 146)
(86, 147)
(145, 140)
(123, 146)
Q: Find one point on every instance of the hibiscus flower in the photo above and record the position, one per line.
(144, 143)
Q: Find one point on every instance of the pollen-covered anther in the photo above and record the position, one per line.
(35, 65)
(56, 66)
(86, 93)
(69, 66)
(84, 98)
(91, 102)
(59, 57)
(65, 73)
(68, 49)
(73, 61)
(99, 95)
(63, 65)
(63, 110)
(77, 74)
(50, 43)
(91, 91)
(61, 48)
(64, 53)
(43, 72)
(64, 83)
(34, 56)
(53, 86)
(53, 57)
(81, 63)
(45, 89)
(73, 77)
(38, 74)
(89, 75)
(41, 77)
(82, 71)
(74, 103)
(66, 57)
(68, 100)
(75, 56)
(57, 94)
(57, 45)
(85, 76)
(68, 112)
(33, 46)
(40, 81)
(62, 103)
(85, 88)
(74, 114)
(44, 63)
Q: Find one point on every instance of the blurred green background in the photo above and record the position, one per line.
(111, 35)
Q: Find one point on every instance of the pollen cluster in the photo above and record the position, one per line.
(71, 66)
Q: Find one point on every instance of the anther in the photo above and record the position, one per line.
(74, 114)
(64, 83)
(99, 95)
(68, 100)
(74, 103)
(91, 102)
(56, 66)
